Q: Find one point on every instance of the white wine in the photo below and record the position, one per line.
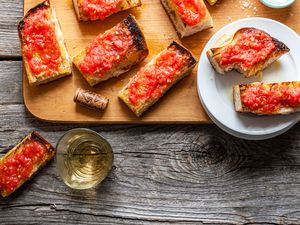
(83, 158)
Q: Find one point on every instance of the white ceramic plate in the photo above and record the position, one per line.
(215, 90)
(245, 136)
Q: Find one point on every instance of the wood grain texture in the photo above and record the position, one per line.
(180, 105)
(191, 174)
(9, 44)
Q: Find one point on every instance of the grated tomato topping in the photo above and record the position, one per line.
(99, 9)
(18, 167)
(151, 81)
(251, 47)
(105, 51)
(40, 45)
(191, 11)
(262, 98)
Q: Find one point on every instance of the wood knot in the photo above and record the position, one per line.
(207, 152)
(208, 157)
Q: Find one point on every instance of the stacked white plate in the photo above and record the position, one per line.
(215, 90)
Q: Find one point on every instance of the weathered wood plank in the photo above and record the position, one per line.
(10, 13)
(11, 80)
(162, 174)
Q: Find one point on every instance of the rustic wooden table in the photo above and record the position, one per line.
(162, 174)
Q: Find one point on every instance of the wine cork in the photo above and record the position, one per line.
(90, 99)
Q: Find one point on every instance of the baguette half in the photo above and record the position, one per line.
(145, 77)
(267, 99)
(64, 67)
(181, 26)
(135, 53)
(13, 164)
(84, 15)
(226, 42)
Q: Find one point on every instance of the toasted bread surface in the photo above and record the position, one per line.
(33, 137)
(281, 93)
(142, 105)
(182, 28)
(64, 68)
(82, 15)
(215, 54)
(212, 2)
(136, 52)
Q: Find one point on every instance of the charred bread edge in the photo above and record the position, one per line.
(139, 42)
(191, 64)
(35, 137)
(83, 18)
(239, 105)
(183, 50)
(33, 79)
(172, 15)
(280, 48)
(180, 26)
(176, 21)
(44, 4)
(76, 7)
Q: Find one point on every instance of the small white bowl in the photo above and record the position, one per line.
(276, 3)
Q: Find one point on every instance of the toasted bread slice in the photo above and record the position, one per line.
(183, 24)
(212, 2)
(23, 161)
(157, 77)
(246, 58)
(267, 99)
(98, 67)
(39, 68)
(87, 10)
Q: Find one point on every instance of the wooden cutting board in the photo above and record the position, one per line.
(54, 101)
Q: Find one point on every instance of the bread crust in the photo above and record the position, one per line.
(186, 70)
(238, 90)
(65, 66)
(136, 53)
(33, 136)
(182, 28)
(124, 5)
(214, 54)
(212, 2)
